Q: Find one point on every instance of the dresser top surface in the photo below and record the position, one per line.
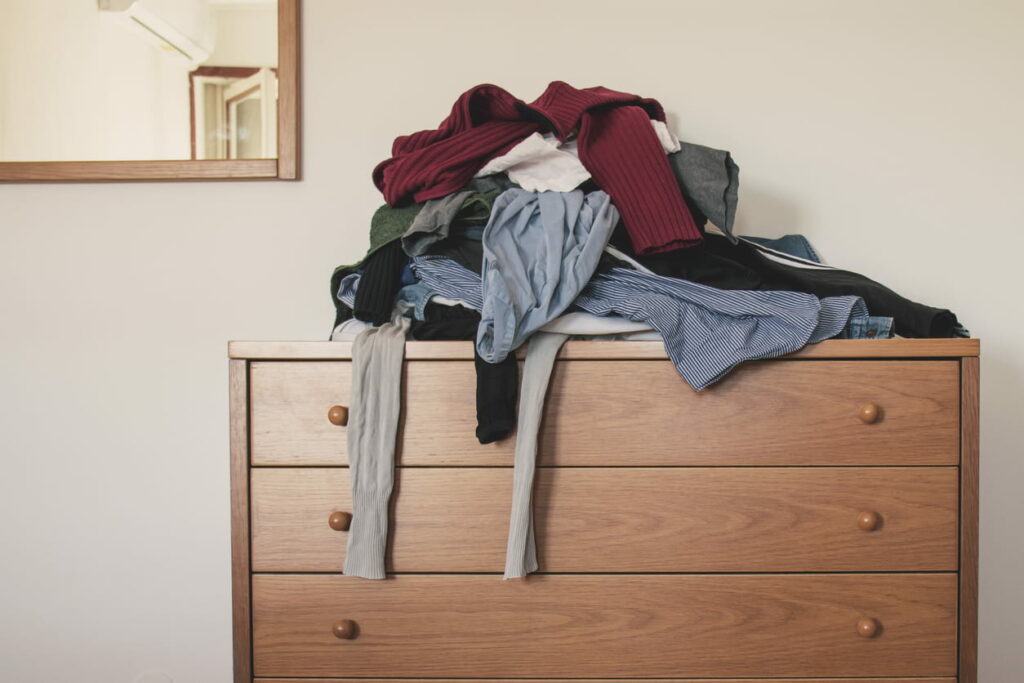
(607, 350)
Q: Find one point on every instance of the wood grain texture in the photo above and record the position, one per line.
(289, 127)
(762, 414)
(290, 406)
(590, 520)
(969, 478)
(238, 382)
(636, 413)
(184, 169)
(605, 680)
(607, 350)
(606, 626)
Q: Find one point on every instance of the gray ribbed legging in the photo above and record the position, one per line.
(375, 403)
(377, 355)
(521, 554)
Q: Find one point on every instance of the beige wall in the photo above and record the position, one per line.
(76, 83)
(246, 35)
(888, 132)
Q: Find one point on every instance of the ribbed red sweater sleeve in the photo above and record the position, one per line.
(626, 159)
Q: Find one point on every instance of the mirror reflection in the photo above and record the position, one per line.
(127, 80)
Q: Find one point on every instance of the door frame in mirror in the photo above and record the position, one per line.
(284, 167)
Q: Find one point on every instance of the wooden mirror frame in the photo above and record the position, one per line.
(284, 167)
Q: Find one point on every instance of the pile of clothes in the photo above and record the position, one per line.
(579, 214)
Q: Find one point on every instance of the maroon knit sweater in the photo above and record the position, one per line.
(616, 144)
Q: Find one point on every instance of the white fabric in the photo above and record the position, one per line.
(581, 323)
(668, 141)
(348, 330)
(445, 301)
(540, 162)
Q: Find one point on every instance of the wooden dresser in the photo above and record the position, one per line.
(811, 518)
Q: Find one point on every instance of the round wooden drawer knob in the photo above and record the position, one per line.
(338, 415)
(869, 413)
(868, 520)
(868, 628)
(339, 521)
(344, 629)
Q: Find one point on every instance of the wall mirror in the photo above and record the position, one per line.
(149, 89)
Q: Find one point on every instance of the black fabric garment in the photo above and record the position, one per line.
(445, 323)
(718, 263)
(497, 386)
(699, 218)
(342, 313)
(380, 282)
(497, 389)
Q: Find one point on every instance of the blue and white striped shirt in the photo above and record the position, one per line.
(706, 331)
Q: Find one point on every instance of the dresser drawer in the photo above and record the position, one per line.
(626, 519)
(606, 626)
(789, 412)
(592, 680)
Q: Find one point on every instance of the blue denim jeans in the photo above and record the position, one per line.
(867, 327)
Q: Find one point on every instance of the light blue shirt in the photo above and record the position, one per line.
(540, 250)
